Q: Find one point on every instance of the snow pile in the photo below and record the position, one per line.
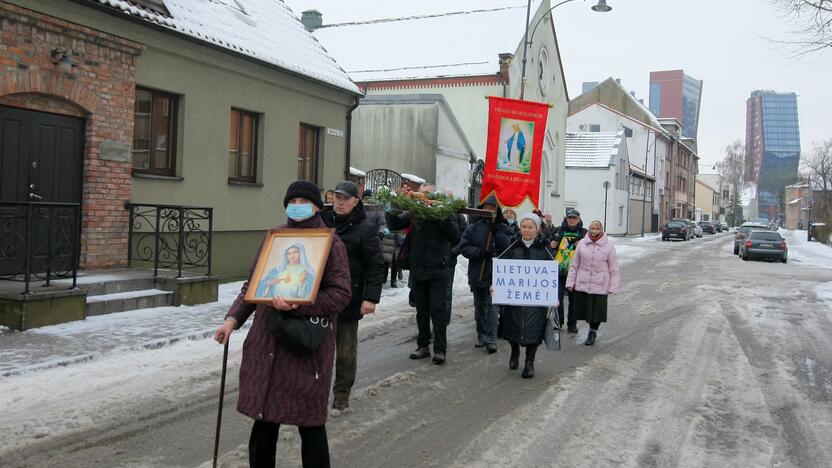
(808, 253)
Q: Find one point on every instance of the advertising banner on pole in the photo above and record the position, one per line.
(525, 282)
(513, 151)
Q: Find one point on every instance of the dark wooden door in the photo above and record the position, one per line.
(41, 160)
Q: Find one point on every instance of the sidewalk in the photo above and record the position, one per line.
(82, 341)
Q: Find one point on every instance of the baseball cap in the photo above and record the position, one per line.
(572, 213)
(347, 189)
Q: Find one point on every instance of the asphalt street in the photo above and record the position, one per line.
(707, 360)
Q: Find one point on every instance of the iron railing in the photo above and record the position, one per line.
(377, 178)
(170, 236)
(39, 241)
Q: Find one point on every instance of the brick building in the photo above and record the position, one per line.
(108, 102)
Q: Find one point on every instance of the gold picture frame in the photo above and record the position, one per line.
(290, 265)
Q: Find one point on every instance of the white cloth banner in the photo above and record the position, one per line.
(525, 282)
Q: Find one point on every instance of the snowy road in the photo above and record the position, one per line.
(706, 361)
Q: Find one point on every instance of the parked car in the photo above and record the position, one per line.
(764, 244)
(724, 226)
(690, 225)
(697, 230)
(708, 227)
(717, 226)
(675, 230)
(742, 233)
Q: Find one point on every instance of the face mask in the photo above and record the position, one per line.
(510, 221)
(299, 211)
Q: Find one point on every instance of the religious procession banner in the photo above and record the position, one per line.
(513, 152)
(525, 282)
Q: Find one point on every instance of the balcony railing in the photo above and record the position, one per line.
(170, 237)
(39, 242)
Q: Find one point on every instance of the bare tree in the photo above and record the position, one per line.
(732, 170)
(814, 20)
(818, 166)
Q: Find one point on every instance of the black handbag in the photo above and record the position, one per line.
(299, 334)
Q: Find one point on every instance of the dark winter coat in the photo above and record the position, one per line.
(475, 247)
(389, 247)
(360, 237)
(430, 244)
(376, 218)
(277, 385)
(462, 224)
(521, 324)
(566, 241)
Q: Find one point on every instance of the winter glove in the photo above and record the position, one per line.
(385, 231)
(485, 253)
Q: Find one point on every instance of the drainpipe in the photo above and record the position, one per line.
(349, 138)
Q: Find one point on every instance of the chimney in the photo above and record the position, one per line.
(505, 61)
(312, 19)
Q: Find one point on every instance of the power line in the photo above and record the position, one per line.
(419, 67)
(417, 17)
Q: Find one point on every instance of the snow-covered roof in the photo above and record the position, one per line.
(413, 178)
(454, 44)
(265, 30)
(592, 149)
(795, 201)
(357, 172)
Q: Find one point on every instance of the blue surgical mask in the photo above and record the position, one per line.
(510, 221)
(299, 211)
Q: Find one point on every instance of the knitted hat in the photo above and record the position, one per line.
(303, 189)
(532, 217)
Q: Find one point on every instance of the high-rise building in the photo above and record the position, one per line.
(676, 95)
(772, 148)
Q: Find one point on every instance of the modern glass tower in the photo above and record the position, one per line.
(674, 94)
(772, 148)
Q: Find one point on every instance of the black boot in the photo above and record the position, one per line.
(514, 359)
(590, 338)
(420, 353)
(528, 371)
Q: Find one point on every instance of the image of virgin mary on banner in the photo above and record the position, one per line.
(513, 151)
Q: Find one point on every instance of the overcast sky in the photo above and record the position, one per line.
(722, 42)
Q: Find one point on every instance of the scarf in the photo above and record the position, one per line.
(595, 238)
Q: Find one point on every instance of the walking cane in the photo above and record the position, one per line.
(222, 394)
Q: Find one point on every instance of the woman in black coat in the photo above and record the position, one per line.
(523, 325)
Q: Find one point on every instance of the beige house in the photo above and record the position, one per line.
(707, 201)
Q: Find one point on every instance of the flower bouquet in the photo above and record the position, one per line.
(431, 206)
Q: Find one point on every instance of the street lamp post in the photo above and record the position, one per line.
(600, 7)
(606, 189)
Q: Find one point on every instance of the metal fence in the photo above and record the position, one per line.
(170, 236)
(39, 242)
(378, 178)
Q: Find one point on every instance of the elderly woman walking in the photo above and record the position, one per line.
(277, 386)
(592, 277)
(523, 325)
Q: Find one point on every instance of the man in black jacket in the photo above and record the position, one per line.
(484, 239)
(564, 243)
(360, 237)
(430, 243)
